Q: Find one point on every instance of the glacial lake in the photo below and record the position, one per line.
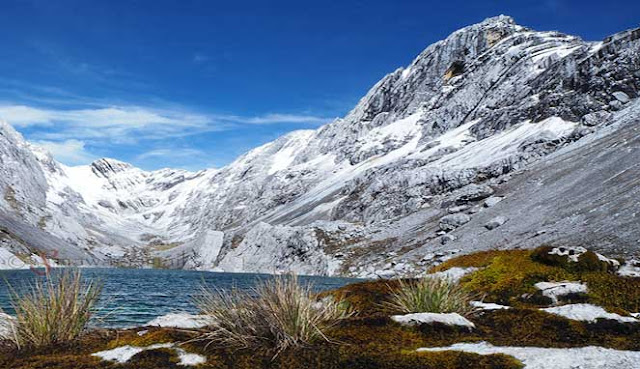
(133, 297)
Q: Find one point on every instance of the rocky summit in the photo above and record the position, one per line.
(498, 136)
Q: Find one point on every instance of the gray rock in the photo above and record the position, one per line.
(621, 96)
(447, 238)
(453, 221)
(458, 209)
(473, 192)
(596, 118)
(496, 222)
(493, 200)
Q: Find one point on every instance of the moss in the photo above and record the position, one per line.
(158, 358)
(365, 298)
(510, 275)
(153, 335)
(478, 260)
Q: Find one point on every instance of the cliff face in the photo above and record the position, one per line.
(487, 139)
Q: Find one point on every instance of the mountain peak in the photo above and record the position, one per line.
(107, 166)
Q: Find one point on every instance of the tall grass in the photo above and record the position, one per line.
(277, 314)
(429, 295)
(54, 310)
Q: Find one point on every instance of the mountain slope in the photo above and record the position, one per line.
(402, 176)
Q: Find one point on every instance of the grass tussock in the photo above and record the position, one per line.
(54, 310)
(429, 295)
(278, 314)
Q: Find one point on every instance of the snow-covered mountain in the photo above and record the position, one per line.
(487, 139)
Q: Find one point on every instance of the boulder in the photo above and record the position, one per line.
(453, 221)
(496, 222)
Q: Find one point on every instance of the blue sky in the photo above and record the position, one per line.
(194, 84)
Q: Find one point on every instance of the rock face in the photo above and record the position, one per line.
(544, 120)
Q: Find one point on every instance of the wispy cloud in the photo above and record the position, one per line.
(280, 118)
(70, 152)
(129, 124)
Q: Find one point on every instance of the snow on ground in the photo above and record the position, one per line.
(180, 320)
(502, 145)
(590, 357)
(588, 313)
(125, 353)
(428, 318)
(630, 269)
(488, 306)
(7, 326)
(554, 290)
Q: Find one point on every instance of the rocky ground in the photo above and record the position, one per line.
(548, 308)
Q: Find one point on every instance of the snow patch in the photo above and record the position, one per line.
(488, 306)
(181, 320)
(452, 319)
(590, 357)
(123, 354)
(587, 313)
(554, 290)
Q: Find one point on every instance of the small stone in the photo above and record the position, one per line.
(621, 96)
(457, 209)
(596, 118)
(615, 104)
(473, 192)
(496, 222)
(491, 201)
(447, 238)
(428, 257)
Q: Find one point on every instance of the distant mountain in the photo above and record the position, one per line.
(498, 136)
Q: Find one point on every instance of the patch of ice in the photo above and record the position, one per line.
(181, 320)
(553, 290)
(590, 357)
(488, 306)
(587, 313)
(428, 318)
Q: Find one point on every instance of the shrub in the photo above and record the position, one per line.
(55, 310)
(278, 314)
(429, 295)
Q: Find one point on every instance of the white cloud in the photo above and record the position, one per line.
(71, 152)
(283, 118)
(173, 153)
(129, 124)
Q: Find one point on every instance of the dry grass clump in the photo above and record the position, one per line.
(429, 295)
(277, 314)
(55, 310)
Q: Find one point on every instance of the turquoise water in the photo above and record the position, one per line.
(132, 297)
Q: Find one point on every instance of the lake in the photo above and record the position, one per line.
(132, 297)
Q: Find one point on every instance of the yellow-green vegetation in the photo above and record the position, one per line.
(429, 295)
(508, 277)
(280, 317)
(54, 311)
(279, 314)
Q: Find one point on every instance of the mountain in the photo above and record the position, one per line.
(498, 136)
